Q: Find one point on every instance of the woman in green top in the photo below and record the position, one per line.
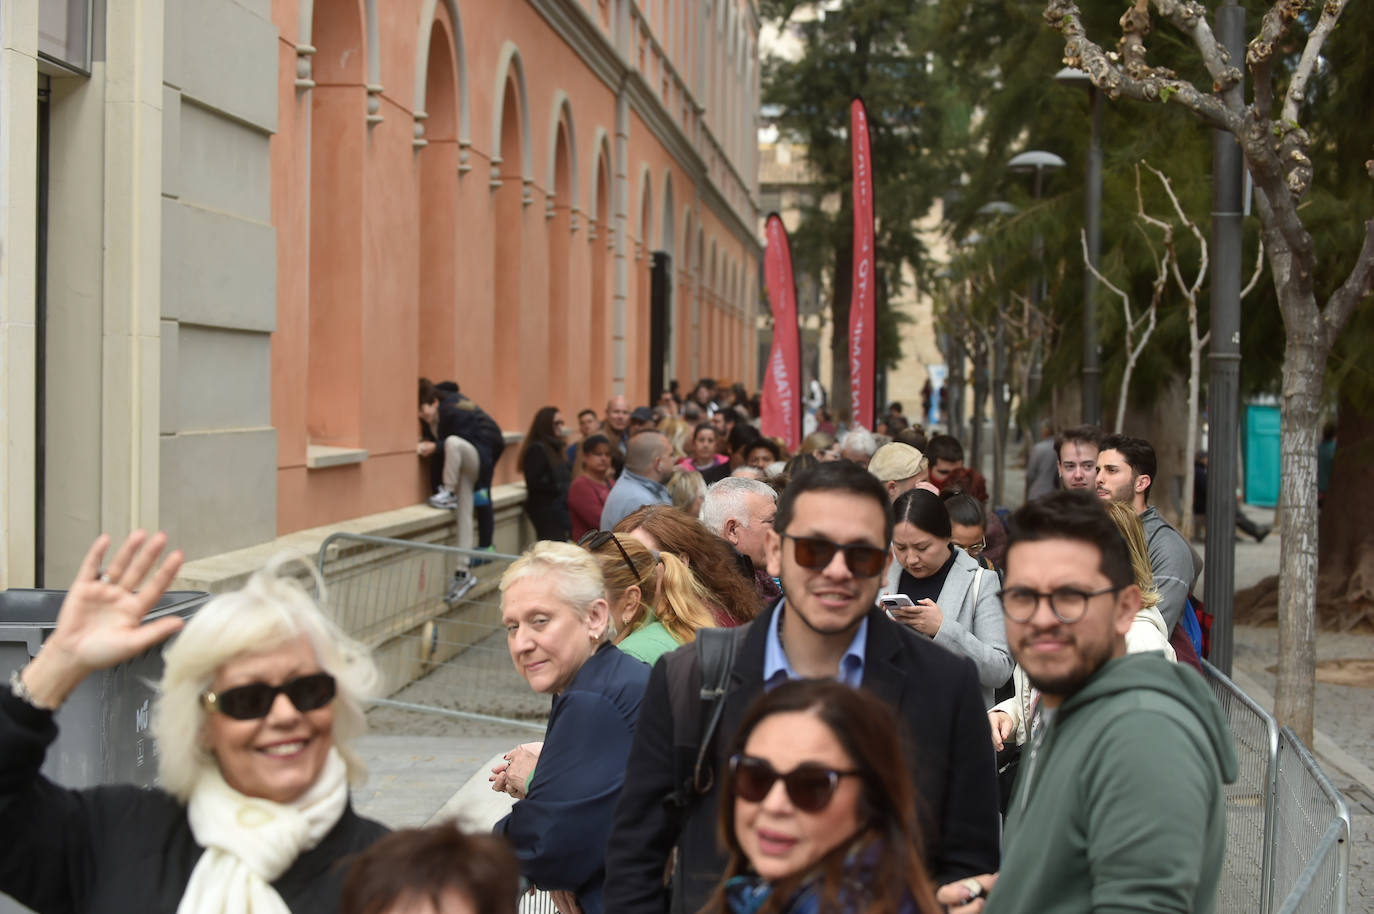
(656, 602)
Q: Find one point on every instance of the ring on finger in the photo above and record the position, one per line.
(975, 889)
(104, 577)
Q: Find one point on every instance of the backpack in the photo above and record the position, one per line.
(696, 717)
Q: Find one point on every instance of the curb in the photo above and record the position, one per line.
(475, 806)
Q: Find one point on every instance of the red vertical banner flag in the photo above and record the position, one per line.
(862, 306)
(782, 408)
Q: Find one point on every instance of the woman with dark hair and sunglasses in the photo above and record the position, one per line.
(733, 599)
(950, 598)
(818, 811)
(259, 700)
(547, 477)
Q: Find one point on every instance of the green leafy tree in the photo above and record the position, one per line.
(861, 48)
(1315, 305)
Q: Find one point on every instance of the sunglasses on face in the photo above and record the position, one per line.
(809, 786)
(816, 553)
(593, 540)
(255, 700)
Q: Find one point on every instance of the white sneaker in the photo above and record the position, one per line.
(462, 582)
(443, 498)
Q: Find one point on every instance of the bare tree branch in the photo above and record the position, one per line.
(1311, 53)
(1190, 17)
(1356, 288)
(1151, 86)
(1190, 292)
(1260, 54)
(1259, 271)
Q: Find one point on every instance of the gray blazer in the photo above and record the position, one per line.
(972, 623)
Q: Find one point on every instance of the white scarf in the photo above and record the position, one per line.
(250, 842)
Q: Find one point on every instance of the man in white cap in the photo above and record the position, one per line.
(900, 467)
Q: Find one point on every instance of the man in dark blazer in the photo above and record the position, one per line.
(829, 546)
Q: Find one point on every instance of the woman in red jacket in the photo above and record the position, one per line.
(587, 494)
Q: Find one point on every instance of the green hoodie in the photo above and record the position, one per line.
(1119, 806)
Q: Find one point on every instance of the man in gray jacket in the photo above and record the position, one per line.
(1126, 469)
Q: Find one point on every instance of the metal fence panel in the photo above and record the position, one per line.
(1249, 801)
(437, 657)
(1311, 835)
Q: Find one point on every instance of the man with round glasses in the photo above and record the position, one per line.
(829, 548)
(1119, 802)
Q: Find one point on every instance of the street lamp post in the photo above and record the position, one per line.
(999, 208)
(1223, 385)
(1092, 219)
(1037, 162)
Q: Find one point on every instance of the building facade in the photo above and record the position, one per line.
(235, 233)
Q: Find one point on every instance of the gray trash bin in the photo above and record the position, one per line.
(102, 735)
(103, 726)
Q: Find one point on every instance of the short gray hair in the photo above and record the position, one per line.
(725, 501)
(859, 439)
(273, 609)
(577, 571)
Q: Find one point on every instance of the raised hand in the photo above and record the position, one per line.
(101, 623)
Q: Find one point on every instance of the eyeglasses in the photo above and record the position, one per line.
(593, 540)
(813, 552)
(1067, 603)
(809, 786)
(255, 700)
(976, 549)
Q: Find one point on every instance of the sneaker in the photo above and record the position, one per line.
(1262, 533)
(481, 498)
(457, 589)
(478, 561)
(443, 498)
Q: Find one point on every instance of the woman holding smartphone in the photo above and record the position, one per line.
(941, 591)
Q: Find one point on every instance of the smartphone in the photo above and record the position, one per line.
(892, 601)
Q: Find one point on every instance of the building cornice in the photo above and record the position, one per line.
(575, 26)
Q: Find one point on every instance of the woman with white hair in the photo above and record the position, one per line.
(255, 710)
(559, 630)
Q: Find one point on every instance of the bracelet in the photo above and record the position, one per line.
(21, 692)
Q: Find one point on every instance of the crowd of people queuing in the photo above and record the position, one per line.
(831, 681)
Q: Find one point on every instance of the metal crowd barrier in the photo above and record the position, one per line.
(434, 657)
(1287, 827)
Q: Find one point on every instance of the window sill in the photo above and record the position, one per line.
(321, 457)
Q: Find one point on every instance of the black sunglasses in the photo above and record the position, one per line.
(252, 701)
(809, 786)
(593, 540)
(815, 553)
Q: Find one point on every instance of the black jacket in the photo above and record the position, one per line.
(546, 493)
(936, 695)
(559, 829)
(462, 417)
(122, 848)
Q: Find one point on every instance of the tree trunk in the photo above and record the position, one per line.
(1190, 449)
(1345, 582)
(840, 294)
(1303, 368)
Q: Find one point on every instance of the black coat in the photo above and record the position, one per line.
(122, 848)
(935, 694)
(546, 493)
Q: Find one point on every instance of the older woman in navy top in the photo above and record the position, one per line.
(559, 630)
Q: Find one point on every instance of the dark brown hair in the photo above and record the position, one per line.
(711, 558)
(867, 730)
(427, 862)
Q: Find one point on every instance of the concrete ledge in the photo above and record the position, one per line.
(321, 456)
(229, 570)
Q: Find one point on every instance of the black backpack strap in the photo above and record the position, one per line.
(716, 649)
(697, 685)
